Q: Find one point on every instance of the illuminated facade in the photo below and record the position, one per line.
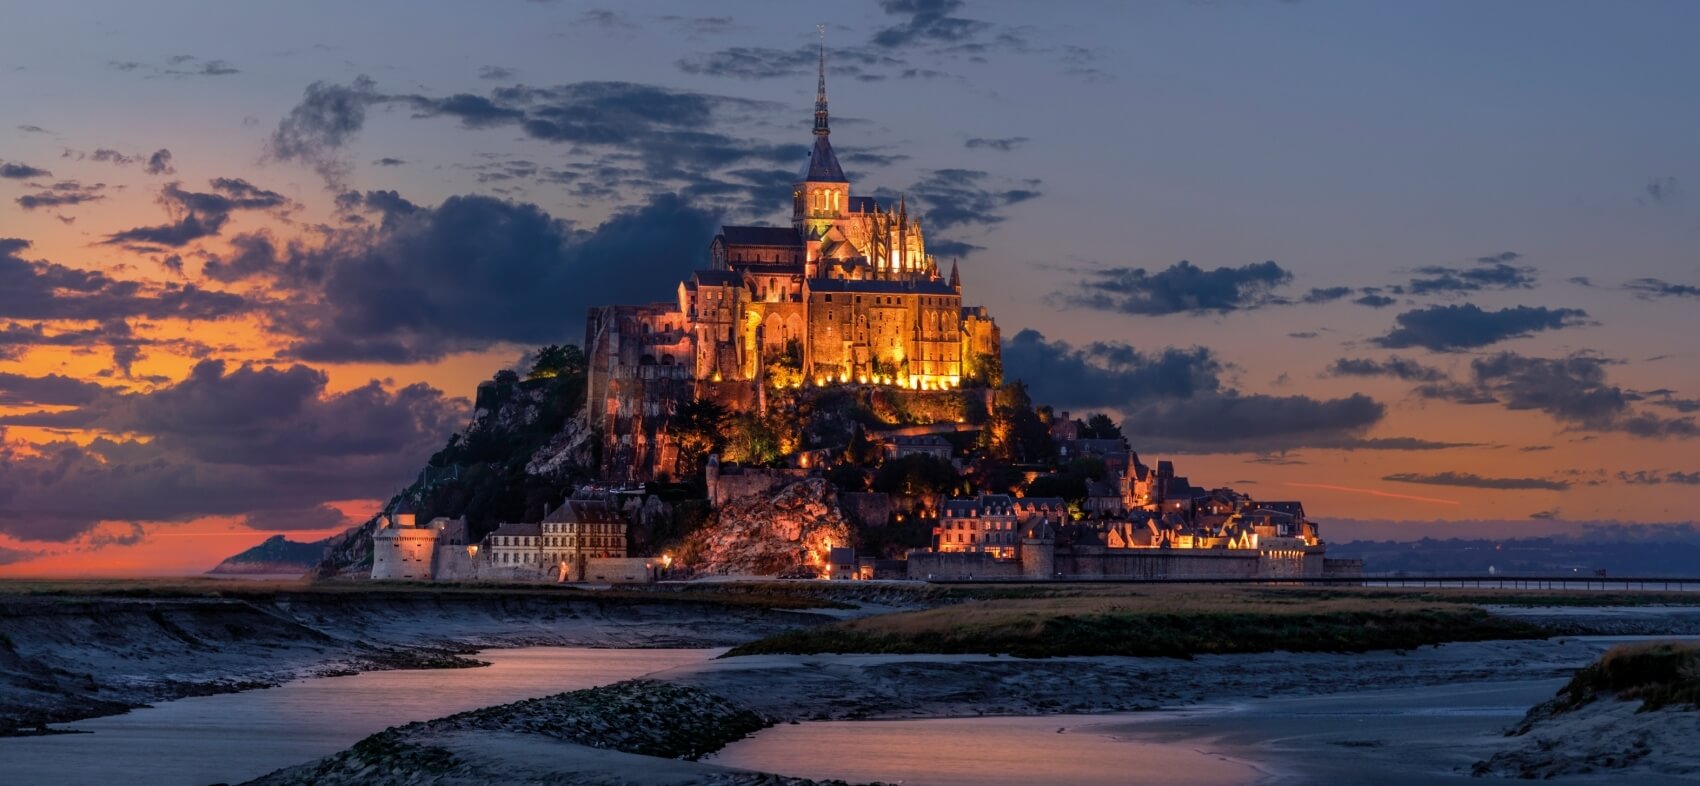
(846, 294)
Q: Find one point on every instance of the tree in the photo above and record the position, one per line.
(751, 440)
(1069, 487)
(698, 429)
(917, 474)
(557, 360)
(1014, 431)
(985, 370)
(1100, 426)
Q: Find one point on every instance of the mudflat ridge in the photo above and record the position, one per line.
(69, 657)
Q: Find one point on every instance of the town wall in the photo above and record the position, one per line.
(924, 565)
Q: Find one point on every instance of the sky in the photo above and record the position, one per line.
(1430, 267)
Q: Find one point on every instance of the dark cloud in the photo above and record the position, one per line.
(1467, 326)
(1472, 480)
(113, 157)
(1003, 145)
(223, 441)
(29, 129)
(1181, 288)
(160, 163)
(129, 536)
(497, 73)
(42, 290)
(9, 556)
(51, 390)
(14, 170)
(1375, 301)
(200, 214)
(474, 272)
(1647, 477)
(1175, 399)
(965, 197)
(638, 139)
(62, 194)
(926, 22)
(114, 334)
(1572, 390)
(1652, 287)
(606, 18)
(386, 161)
(315, 130)
(1303, 334)
(952, 249)
(1328, 295)
(1397, 367)
(1493, 272)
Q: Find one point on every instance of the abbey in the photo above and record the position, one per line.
(847, 294)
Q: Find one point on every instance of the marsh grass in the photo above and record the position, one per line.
(1167, 622)
(1658, 674)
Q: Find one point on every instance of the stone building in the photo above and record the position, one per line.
(577, 532)
(847, 294)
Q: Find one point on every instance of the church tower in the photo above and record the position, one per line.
(822, 194)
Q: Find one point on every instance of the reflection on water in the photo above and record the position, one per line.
(239, 736)
(1071, 749)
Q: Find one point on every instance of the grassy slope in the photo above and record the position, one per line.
(1160, 621)
(1658, 674)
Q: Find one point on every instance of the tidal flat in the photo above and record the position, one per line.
(126, 646)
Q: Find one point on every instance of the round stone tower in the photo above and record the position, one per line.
(1039, 551)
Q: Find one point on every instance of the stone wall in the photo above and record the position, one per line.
(867, 508)
(617, 570)
(924, 565)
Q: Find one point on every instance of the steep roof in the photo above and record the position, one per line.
(582, 511)
(822, 166)
(761, 236)
(924, 287)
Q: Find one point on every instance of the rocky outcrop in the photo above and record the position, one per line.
(765, 535)
(276, 555)
(565, 455)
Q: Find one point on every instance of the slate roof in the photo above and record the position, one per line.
(761, 236)
(719, 278)
(589, 511)
(822, 166)
(518, 529)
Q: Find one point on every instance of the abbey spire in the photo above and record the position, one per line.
(821, 127)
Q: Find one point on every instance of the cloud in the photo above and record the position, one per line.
(160, 163)
(1375, 301)
(51, 390)
(471, 273)
(43, 290)
(1467, 326)
(1328, 295)
(109, 156)
(965, 197)
(1652, 287)
(1492, 272)
(1175, 399)
(926, 22)
(1004, 145)
(497, 73)
(1181, 288)
(750, 62)
(65, 193)
(1572, 390)
(223, 441)
(315, 130)
(200, 214)
(1471, 480)
(11, 556)
(1399, 368)
(14, 170)
(386, 161)
(1661, 190)
(1654, 478)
